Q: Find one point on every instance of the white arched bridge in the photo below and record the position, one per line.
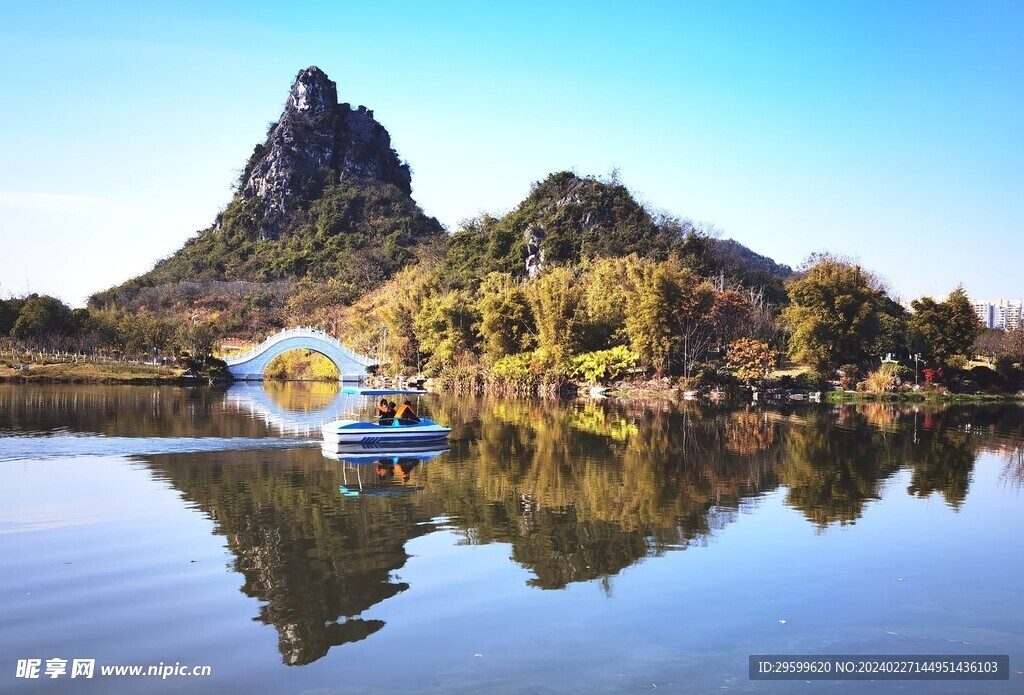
(250, 365)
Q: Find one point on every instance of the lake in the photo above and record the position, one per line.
(574, 547)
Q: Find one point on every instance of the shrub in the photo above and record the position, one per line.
(957, 362)
(517, 367)
(888, 377)
(812, 381)
(714, 377)
(1008, 372)
(903, 373)
(848, 376)
(880, 381)
(461, 378)
(602, 365)
(984, 377)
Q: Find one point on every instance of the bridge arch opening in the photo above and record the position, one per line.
(302, 364)
(253, 364)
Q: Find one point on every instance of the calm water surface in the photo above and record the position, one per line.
(555, 548)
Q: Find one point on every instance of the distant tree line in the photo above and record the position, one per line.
(44, 323)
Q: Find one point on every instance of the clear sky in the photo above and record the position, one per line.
(892, 132)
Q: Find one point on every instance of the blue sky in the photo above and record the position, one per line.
(890, 132)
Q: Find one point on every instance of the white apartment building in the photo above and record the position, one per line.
(1002, 313)
(984, 312)
(1007, 314)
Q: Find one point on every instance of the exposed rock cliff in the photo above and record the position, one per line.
(318, 142)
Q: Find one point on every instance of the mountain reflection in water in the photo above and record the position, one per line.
(579, 491)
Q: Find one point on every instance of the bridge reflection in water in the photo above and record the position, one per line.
(295, 408)
(299, 408)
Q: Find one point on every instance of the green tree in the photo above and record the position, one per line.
(834, 313)
(608, 283)
(649, 322)
(193, 338)
(893, 336)
(446, 327)
(399, 313)
(556, 299)
(943, 330)
(42, 321)
(506, 321)
(9, 310)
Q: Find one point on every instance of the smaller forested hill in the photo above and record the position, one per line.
(567, 219)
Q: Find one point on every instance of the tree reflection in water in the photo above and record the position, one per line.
(579, 491)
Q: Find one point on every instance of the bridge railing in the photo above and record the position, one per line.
(298, 332)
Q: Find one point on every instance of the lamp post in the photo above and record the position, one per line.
(917, 356)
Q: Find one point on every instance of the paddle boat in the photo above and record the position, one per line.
(375, 435)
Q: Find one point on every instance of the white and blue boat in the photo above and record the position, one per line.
(374, 435)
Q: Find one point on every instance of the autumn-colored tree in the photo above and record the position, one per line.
(1015, 345)
(751, 359)
(991, 342)
(695, 320)
(732, 314)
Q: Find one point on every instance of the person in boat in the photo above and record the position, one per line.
(406, 415)
(385, 412)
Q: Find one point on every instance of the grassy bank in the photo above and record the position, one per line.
(93, 373)
(918, 397)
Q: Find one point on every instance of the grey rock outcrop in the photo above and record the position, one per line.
(317, 142)
(534, 235)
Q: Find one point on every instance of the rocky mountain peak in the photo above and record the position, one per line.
(313, 93)
(317, 142)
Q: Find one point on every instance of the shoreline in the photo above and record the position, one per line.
(843, 397)
(146, 375)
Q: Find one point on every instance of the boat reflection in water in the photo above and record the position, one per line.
(391, 472)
